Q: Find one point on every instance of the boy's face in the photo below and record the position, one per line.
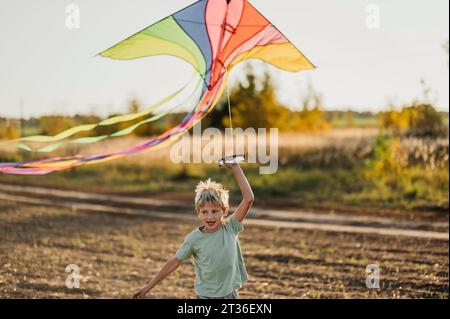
(211, 216)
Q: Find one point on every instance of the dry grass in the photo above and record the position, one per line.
(286, 140)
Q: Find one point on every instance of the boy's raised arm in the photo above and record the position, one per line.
(247, 193)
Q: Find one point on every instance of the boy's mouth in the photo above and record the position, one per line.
(211, 223)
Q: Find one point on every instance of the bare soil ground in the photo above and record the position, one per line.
(118, 253)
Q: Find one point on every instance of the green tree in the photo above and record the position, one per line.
(53, 125)
(311, 117)
(253, 107)
(424, 120)
(418, 119)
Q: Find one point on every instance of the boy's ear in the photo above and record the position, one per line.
(225, 212)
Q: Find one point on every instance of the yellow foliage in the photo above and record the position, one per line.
(9, 130)
(421, 119)
(260, 109)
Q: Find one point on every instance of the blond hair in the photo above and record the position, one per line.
(211, 193)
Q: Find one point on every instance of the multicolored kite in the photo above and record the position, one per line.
(211, 35)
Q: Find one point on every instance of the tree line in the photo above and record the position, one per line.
(254, 105)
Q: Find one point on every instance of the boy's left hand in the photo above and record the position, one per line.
(231, 166)
(140, 293)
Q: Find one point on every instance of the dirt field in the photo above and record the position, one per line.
(117, 254)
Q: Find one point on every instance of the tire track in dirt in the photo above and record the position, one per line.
(271, 214)
(272, 219)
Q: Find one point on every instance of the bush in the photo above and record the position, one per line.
(9, 129)
(418, 120)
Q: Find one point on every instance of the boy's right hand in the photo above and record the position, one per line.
(141, 293)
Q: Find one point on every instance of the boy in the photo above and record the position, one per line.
(219, 266)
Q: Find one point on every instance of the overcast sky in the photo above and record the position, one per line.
(49, 69)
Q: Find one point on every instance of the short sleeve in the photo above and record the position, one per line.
(235, 225)
(185, 250)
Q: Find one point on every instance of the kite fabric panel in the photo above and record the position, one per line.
(211, 35)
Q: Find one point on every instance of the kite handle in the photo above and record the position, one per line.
(231, 160)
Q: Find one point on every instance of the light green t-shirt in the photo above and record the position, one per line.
(219, 266)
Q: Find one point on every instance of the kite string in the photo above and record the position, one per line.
(229, 107)
(229, 102)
